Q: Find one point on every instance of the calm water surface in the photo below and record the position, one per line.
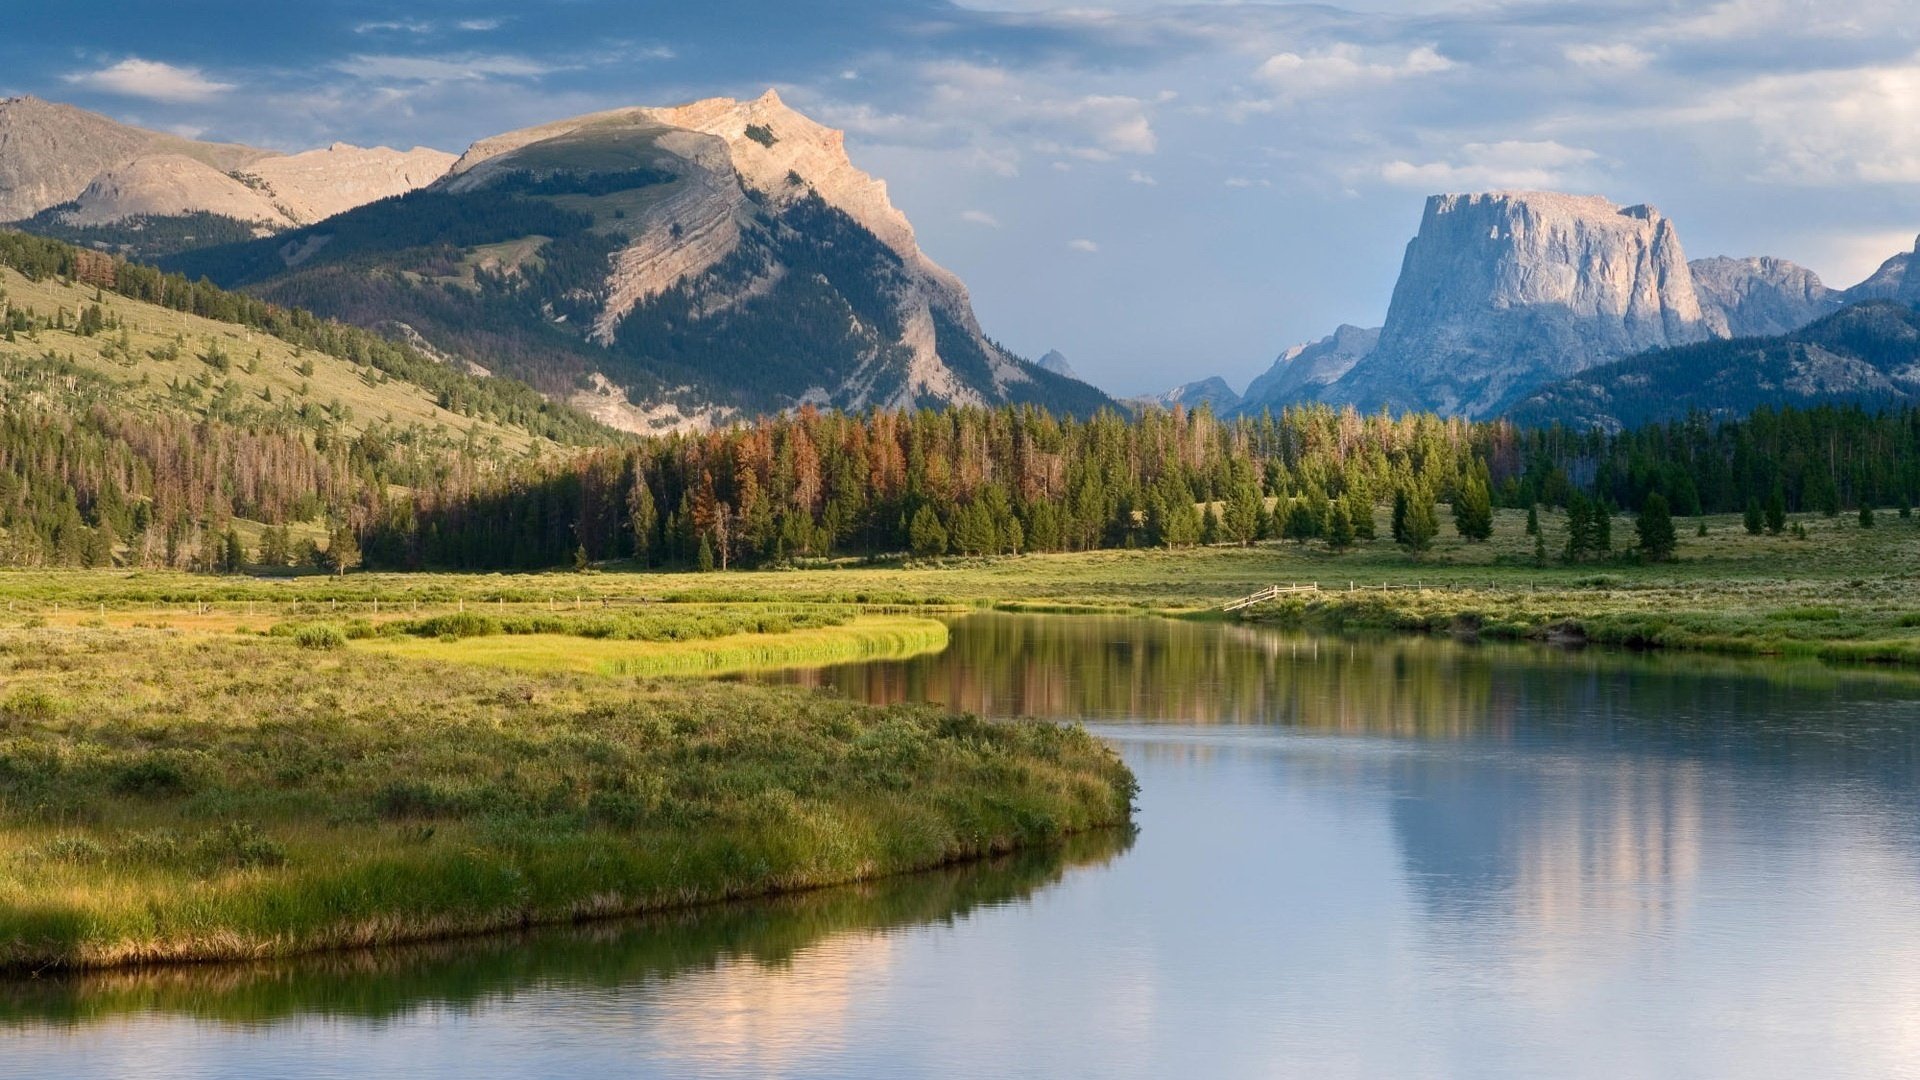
(1393, 859)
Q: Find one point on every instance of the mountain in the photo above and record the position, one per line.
(1057, 364)
(1759, 297)
(83, 177)
(1867, 353)
(1500, 293)
(1212, 391)
(661, 267)
(1302, 372)
(1895, 280)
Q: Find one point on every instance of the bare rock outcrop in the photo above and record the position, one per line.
(1500, 293)
(1897, 279)
(1303, 372)
(97, 171)
(1758, 297)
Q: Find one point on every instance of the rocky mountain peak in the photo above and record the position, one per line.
(1757, 297)
(1896, 279)
(1502, 291)
(99, 171)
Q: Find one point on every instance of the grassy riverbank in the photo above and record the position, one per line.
(863, 637)
(1842, 592)
(170, 796)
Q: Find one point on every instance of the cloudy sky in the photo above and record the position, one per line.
(1159, 190)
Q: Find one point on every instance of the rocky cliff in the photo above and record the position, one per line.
(1056, 362)
(1500, 293)
(1759, 297)
(1303, 372)
(1897, 279)
(64, 167)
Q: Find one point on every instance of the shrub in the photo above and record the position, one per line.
(320, 636)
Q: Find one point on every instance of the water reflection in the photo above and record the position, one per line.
(1406, 858)
(838, 935)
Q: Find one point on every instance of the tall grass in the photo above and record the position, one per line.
(167, 797)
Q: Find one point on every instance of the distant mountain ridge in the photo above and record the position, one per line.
(1503, 293)
(67, 169)
(1867, 353)
(1212, 392)
(662, 268)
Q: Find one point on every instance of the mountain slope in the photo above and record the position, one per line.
(83, 177)
(665, 268)
(141, 344)
(1759, 297)
(1212, 392)
(1868, 353)
(1896, 279)
(1302, 372)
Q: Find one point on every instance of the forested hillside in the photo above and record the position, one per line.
(144, 416)
(1867, 354)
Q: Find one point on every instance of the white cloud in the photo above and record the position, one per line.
(1825, 127)
(1144, 179)
(1342, 67)
(394, 26)
(438, 69)
(1509, 164)
(980, 217)
(479, 25)
(1247, 182)
(150, 79)
(1086, 247)
(1615, 57)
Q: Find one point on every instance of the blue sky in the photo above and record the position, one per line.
(1160, 191)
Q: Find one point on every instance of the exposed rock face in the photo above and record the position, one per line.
(1759, 297)
(100, 172)
(316, 184)
(1500, 293)
(50, 153)
(734, 161)
(1303, 371)
(1212, 391)
(1055, 362)
(1897, 279)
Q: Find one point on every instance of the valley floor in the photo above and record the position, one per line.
(197, 767)
(1843, 591)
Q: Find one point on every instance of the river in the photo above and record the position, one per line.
(1393, 858)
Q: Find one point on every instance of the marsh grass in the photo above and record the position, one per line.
(865, 637)
(187, 797)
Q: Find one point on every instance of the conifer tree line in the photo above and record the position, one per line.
(976, 481)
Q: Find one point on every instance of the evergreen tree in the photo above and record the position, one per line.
(1473, 506)
(1654, 528)
(926, 537)
(1777, 510)
(1339, 528)
(1421, 523)
(1360, 513)
(703, 558)
(233, 557)
(1533, 519)
(1866, 515)
(343, 551)
(1752, 519)
(643, 519)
